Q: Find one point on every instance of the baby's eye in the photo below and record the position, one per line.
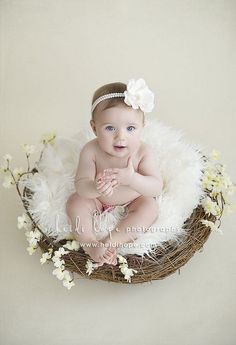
(130, 128)
(109, 128)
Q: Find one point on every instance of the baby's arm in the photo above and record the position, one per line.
(85, 175)
(147, 180)
(84, 179)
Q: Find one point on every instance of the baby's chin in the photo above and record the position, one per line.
(118, 153)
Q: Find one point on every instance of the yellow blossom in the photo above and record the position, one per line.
(210, 206)
(31, 249)
(215, 154)
(28, 149)
(211, 225)
(17, 172)
(48, 138)
(7, 157)
(8, 181)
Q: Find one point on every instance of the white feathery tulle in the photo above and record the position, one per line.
(181, 166)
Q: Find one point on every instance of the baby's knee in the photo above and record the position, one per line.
(150, 207)
(75, 202)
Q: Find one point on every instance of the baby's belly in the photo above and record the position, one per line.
(121, 195)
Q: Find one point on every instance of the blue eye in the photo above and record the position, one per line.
(109, 128)
(130, 128)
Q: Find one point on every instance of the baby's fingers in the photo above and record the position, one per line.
(100, 185)
(114, 184)
(99, 177)
(108, 191)
(109, 177)
(110, 171)
(104, 187)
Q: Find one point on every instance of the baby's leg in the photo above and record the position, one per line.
(142, 213)
(80, 211)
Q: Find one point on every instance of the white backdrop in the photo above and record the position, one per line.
(53, 55)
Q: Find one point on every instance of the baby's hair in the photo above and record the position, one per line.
(111, 102)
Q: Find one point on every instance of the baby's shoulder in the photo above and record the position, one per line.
(89, 148)
(145, 149)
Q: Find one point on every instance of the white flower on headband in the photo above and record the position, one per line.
(138, 95)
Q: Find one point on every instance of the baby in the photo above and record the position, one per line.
(116, 168)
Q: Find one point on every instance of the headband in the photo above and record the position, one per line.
(137, 96)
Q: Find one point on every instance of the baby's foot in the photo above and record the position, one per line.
(111, 255)
(100, 254)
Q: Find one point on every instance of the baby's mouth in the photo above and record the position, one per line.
(119, 147)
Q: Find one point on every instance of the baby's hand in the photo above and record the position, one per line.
(104, 187)
(122, 176)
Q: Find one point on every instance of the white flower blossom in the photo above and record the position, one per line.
(90, 266)
(33, 237)
(7, 157)
(33, 241)
(128, 272)
(58, 272)
(8, 181)
(211, 225)
(61, 251)
(72, 245)
(58, 262)
(31, 249)
(17, 172)
(65, 276)
(37, 234)
(23, 222)
(46, 256)
(138, 95)
(121, 259)
(210, 207)
(28, 149)
(68, 284)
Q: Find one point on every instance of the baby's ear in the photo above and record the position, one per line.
(92, 124)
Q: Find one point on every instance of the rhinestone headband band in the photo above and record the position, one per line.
(102, 98)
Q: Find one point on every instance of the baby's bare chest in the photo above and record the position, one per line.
(102, 163)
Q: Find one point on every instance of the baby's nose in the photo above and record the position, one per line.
(120, 134)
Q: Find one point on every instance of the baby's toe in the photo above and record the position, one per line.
(111, 250)
(101, 261)
(107, 257)
(114, 262)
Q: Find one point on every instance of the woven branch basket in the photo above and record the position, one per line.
(164, 261)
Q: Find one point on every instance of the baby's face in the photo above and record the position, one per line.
(118, 130)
